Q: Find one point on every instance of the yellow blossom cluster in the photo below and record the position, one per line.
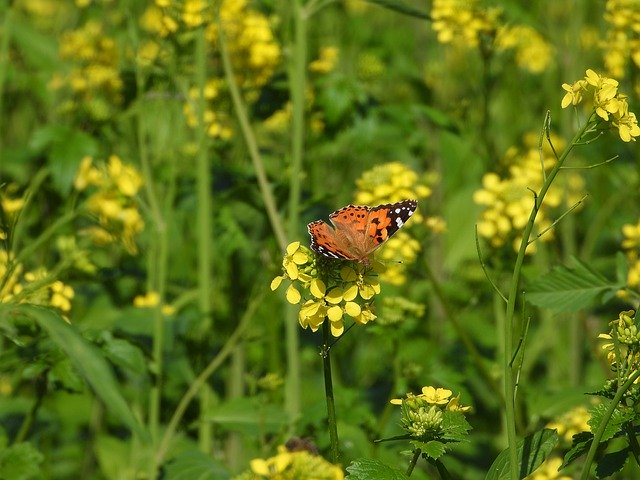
(10, 201)
(36, 287)
(422, 415)
(254, 51)
(631, 246)
(609, 105)
(508, 200)
(549, 470)
(216, 122)
(532, 51)
(150, 300)
(300, 464)
(389, 183)
(622, 42)
(332, 289)
(398, 309)
(326, 61)
(94, 77)
(462, 22)
(622, 344)
(570, 423)
(112, 200)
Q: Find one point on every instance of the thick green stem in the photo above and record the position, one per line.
(414, 460)
(328, 389)
(508, 368)
(597, 436)
(204, 213)
(297, 87)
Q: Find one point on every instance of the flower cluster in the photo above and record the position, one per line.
(326, 61)
(508, 200)
(532, 51)
(631, 246)
(389, 183)
(609, 105)
(94, 78)
(216, 122)
(292, 464)
(622, 42)
(330, 292)
(37, 287)
(112, 201)
(462, 21)
(622, 346)
(432, 415)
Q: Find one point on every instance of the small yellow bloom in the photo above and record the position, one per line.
(437, 396)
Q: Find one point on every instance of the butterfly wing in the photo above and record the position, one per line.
(325, 242)
(387, 219)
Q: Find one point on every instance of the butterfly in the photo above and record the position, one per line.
(358, 229)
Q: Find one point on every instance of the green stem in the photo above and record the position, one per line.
(597, 436)
(414, 460)
(41, 390)
(250, 139)
(204, 214)
(328, 389)
(633, 441)
(508, 368)
(297, 87)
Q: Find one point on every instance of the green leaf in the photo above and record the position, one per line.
(125, 355)
(36, 48)
(433, 448)
(86, 358)
(195, 465)
(579, 446)
(569, 289)
(531, 451)
(20, 462)
(614, 424)
(366, 469)
(454, 426)
(400, 7)
(612, 462)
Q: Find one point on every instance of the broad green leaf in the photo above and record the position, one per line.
(35, 47)
(400, 7)
(366, 469)
(569, 289)
(195, 465)
(125, 355)
(612, 463)
(532, 451)
(20, 462)
(433, 449)
(86, 358)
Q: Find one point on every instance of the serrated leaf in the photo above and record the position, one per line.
(367, 469)
(614, 424)
(86, 358)
(433, 449)
(567, 289)
(454, 426)
(20, 462)
(531, 451)
(400, 7)
(195, 465)
(612, 462)
(580, 445)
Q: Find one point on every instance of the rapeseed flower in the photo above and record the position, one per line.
(462, 22)
(113, 201)
(532, 51)
(300, 464)
(549, 470)
(609, 104)
(423, 415)
(621, 45)
(570, 423)
(328, 291)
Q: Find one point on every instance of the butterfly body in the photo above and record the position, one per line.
(358, 230)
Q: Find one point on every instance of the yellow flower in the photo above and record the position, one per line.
(436, 396)
(574, 93)
(572, 422)
(326, 62)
